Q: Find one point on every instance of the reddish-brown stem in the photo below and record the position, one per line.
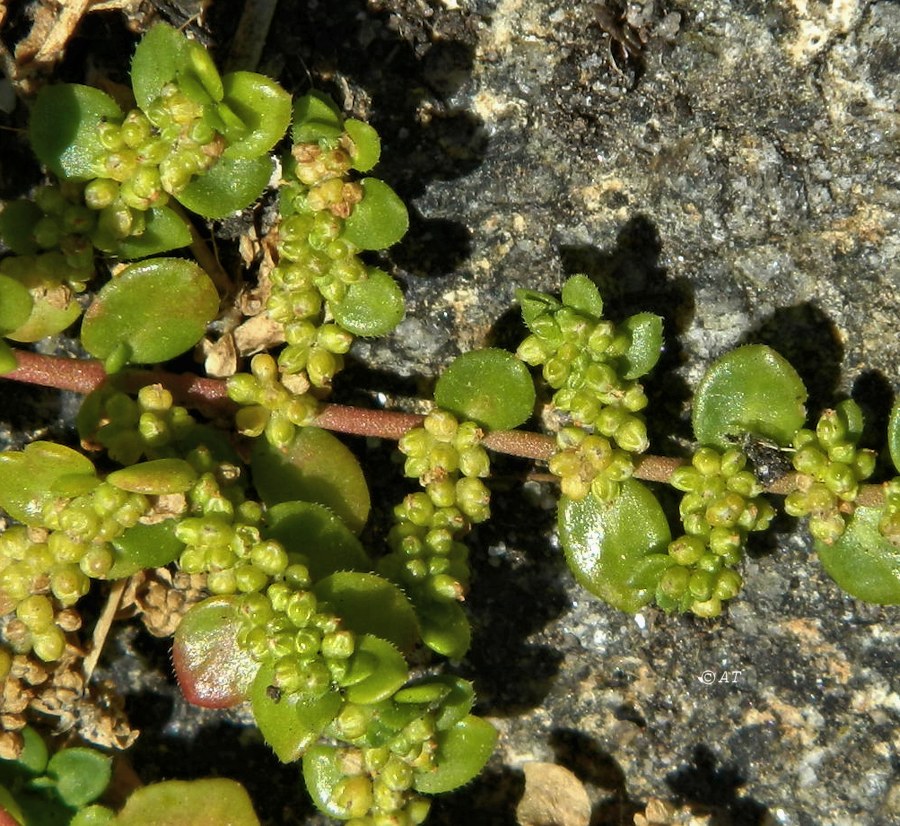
(85, 375)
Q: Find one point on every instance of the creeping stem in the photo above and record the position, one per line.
(209, 395)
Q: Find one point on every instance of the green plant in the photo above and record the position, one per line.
(293, 614)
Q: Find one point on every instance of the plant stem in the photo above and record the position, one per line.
(210, 396)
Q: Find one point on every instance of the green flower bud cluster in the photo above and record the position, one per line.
(581, 360)
(316, 265)
(130, 429)
(377, 789)
(60, 238)
(721, 505)
(149, 157)
(270, 407)
(890, 519)
(221, 532)
(46, 570)
(588, 463)
(830, 468)
(302, 638)
(447, 458)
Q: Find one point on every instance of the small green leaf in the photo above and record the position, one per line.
(162, 53)
(95, 815)
(27, 478)
(462, 753)
(366, 144)
(316, 116)
(144, 546)
(372, 307)
(165, 230)
(606, 542)
(491, 387)
(63, 128)
(367, 603)
(34, 755)
(231, 185)
(81, 775)
(315, 467)
(263, 107)
(580, 293)
(451, 695)
(10, 811)
(15, 304)
(206, 802)
(204, 69)
(17, 222)
(212, 669)
(646, 331)
(534, 304)
(155, 478)
(893, 435)
(445, 628)
(750, 390)
(381, 681)
(53, 306)
(291, 723)
(8, 361)
(326, 544)
(862, 561)
(158, 308)
(379, 220)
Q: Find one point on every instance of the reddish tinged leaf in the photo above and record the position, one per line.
(213, 671)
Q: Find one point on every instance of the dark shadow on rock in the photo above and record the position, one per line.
(489, 800)
(716, 789)
(432, 246)
(632, 280)
(809, 340)
(518, 587)
(874, 393)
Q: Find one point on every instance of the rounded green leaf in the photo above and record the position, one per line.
(27, 478)
(368, 603)
(34, 755)
(231, 185)
(491, 387)
(8, 361)
(81, 775)
(862, 561)
(379, 220)
(95, 815)
(212, 669)
(316, 116)
(63, 128)
(326, 543)
(384, 671)
(144, 546)
(750, 390)
(893, 435)
(315, 467)
(580, 293)
(372, 307)
(165, 230)
(158, 309)
(263, 107)
(646, 345)
(53, 308)
(606, 542)
(462, 753)
(366, 149)
(445, 628)
(15, 304)
(291, 723)
(451, 695)
(17, 222)
(207, 802)
(161, 54)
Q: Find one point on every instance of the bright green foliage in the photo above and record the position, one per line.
(371, 307)
(831, 468)
(863, 561)
(123, 323)
(894, 436)
(490, 387)
(749, 390)
(209, 802)
(616, 549)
